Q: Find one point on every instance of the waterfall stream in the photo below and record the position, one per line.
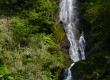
(69, 17)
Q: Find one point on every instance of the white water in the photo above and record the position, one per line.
(82, 44)
(69, 17)
(69, 74)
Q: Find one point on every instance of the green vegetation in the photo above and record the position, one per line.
(29, 38)
(97, 15)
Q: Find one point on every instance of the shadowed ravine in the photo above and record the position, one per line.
(69, 17)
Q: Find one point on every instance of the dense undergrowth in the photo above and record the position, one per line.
(96, 14)
(29, 37)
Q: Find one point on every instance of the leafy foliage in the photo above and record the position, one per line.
(96, 67)
(28, 43)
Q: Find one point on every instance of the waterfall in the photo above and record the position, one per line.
(68, 73)
(69, 17)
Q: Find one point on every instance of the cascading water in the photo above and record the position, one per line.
(69, 17)
(68, 73)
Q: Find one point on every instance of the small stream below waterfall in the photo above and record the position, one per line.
(69, 17)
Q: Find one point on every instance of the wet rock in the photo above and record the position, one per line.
(65, 45)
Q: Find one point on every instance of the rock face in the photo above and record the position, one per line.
(65, 45)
